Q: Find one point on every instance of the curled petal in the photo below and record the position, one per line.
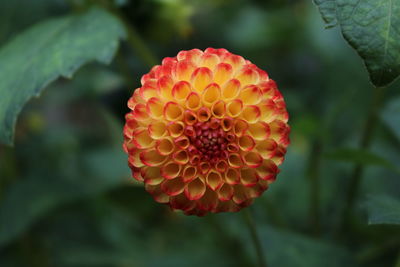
(181, 91)
(182, 142)
(204, 167)
(148, 91)
(234, 60)
(181, 202)
(279, 131)
(151, 175)
(233, 148)
(209, 201)
(247, 75)
(246, 143)
(218, 109)
(221, 166)
(209, 60)
(140, 113)
(250, 95)
(176, 129)
(183, 70)
(192, 55)
(279, 155)
(141, 139)
(234, 108)
(252, 159)
(248, 177)
(173, 187)
(214, 180)
(232, 176)
(203, 114)
(157, 193)
(181, 157)
(266, 148)
(234, 160)
(211, 94)
(189, 117)
(240, 127)
(173, 111)
(170, 170)
(240, 194)
(251, 114)
(157, 129)
(222, 73)
(165, 84)
(227, 124)
(155, 107)
(189, 173)
(267, 170)
(231, 89)
(201, 78)
(259, 131)
(193, 101)
(268, 111)
(195, 189)
(225, 193)
(165, 146)
(152, 158)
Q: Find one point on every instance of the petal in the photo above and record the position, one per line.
(247, 75)
(157, 129)
(181, 91)
(165, 84)
(214, 180)
(181, 202)
(234, 108)
(176, 128)
(155, 107)
(189, 173)
(251, 114)
(259, 131)
(252, 159)
(141, 139)
(209, 201)
(165, 146)
(221, 166)
(234, 160)
(211, 94)
(195, 189)
(183, 70)
(222, 73)
(181, 157)
(151, 175)
(240, 127)
(173, 187)
(203, 114)
(201, 78)
(232, 176)
(170, 170)
(193, 101)
(148, 91)
(157, 193)
(231, 89)
(209, 60)
(234, 60)
(182, 142)
(227, 124)
(225, 193)
(250, 95)
(267, 170)
(152, 158)
(248, 177)
(240, 194)
(266, 148)
(246, 143)
(173, 111)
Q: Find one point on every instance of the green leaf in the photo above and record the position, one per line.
(391, 116)
(28, 200)
(383, 210)
(371, 28)
(360, 156)
(47, 51)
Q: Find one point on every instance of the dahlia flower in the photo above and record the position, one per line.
(206, 131)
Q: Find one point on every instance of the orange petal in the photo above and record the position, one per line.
(189, 173)
(204, 167)
(234, 160)
(140, 113)
(157, 129)
(182, 142)
(209, 201)
(267, 170)
(240, 127)
(155, 107)
(148, 91)
(151, 175)
(251, 114)
(176, 128)
(203, 114)
(252, 159)
(234, 60)
(189, 117)
(279, 155)
(193, 101)
(165, 84)
(232, 147)
(250, 95)
(218, 109)
(248, 177)
(247, 75)
(152, 158)
(225, 193)
(221, 166)
(266, 148)
(234, 108)
(259, 131)
(195, 189)
(232, 176)
(222, 73)
(201, 78)
(157, 193)
(240, 194)
(181, 202)
(181, 157)
(214, 180)
(211, 94)
(170, 170)
(231, 89)
(246, 143)
(165, 146)
(192, 55)
(183, 70)
(209, 61)
(181, 91)
(227, 124)
(173, 111)
(142, 139)
(268, 111)
(173, 187)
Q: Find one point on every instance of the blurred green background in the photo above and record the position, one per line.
(66, 196)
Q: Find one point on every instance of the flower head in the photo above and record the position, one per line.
(206, 131)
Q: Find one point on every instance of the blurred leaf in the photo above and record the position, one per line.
(360, 156)
(391, 116)
(383, 210)
(48, 50)
(28, 200)
(371, 28)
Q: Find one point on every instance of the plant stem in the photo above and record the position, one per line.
(367, 134)
(255, 237)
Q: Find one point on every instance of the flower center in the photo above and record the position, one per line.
(209, 141)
